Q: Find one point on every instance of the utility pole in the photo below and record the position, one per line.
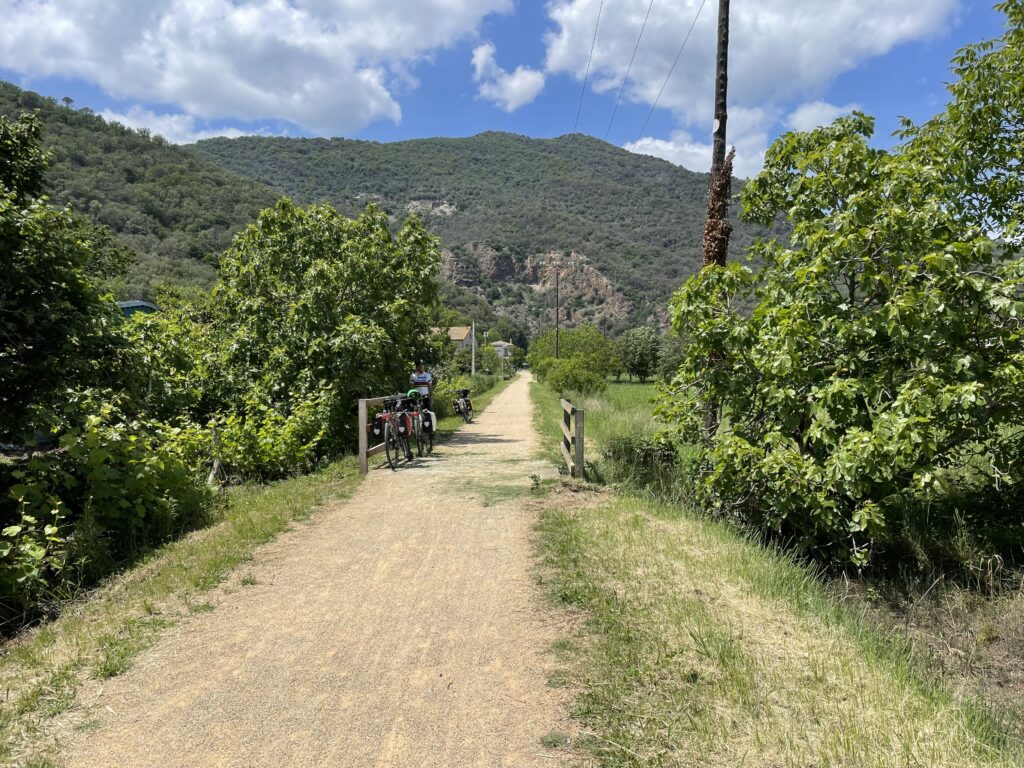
(717, 228)
(721, 89)
(558, 269)
(472, 346)
(557, 262)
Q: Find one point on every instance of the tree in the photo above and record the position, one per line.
(487, 361)
(638, 349)
(570, 375)
(882, 369)
(585, 341)
(314, 306)
(56, 331)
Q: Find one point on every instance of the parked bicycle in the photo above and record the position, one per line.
(422, 421)
(464, 406)
(402, 422)
(394, 426)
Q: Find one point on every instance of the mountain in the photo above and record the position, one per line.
(627, 227)
(507, 207)
(175, 210)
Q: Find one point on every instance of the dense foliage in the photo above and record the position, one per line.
(638, 349)
(54, 326)
(638, 219)
(259, 377)
(115, 480)
(175, 211)
(879, 381)
(585, 358)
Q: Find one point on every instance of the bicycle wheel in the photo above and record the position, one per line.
(392, 444)
(417, 427)
(467, 412)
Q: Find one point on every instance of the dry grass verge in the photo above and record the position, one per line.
(701, 648)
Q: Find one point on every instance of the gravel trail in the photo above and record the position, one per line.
(403, 627)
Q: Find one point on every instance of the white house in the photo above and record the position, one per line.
(503, 348)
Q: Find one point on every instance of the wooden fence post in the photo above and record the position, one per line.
(572, 439)
(364, 460)
(581, 470)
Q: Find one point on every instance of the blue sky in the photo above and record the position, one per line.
(399, 69)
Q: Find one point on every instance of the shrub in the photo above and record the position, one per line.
(643, 452)
(575, 374)
(881, 372)
(586, 341)
(116, 486)
(260, 443)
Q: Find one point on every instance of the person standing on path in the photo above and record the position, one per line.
(423, 381)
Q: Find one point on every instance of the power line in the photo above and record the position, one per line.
(628, 69)
(673, 69)
(587, 75)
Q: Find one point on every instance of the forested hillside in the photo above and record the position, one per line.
(177, 212)
(501, 203)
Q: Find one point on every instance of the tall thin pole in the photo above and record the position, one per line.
(472, 346)
(721, 89)
(717, 228)
(557, 308)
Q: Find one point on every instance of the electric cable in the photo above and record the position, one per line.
(628, 70)
(673, 69)
(587, 75)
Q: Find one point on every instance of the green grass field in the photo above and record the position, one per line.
(623, 409)
(701, 647)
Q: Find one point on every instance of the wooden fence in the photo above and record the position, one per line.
(572, 439)
(366, 450)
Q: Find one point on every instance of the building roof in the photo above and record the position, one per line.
(502, 344)
(459, 332)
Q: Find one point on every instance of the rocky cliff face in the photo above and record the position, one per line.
(523, 287)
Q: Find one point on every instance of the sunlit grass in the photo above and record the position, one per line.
(625, 408)
(703, 648)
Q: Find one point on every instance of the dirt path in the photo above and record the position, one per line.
(402, 628)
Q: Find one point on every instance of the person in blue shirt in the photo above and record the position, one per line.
(422, 380)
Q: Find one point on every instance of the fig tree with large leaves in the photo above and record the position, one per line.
(876, 389)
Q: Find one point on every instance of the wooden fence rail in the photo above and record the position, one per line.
(366, 450)
(572, 439)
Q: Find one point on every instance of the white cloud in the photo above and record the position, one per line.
(681, 148)
(781, 52)
(814, 114)
(330, 66)
(177, 128)
(509, 90)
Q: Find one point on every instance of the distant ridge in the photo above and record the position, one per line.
(502, 202)
(176, 210)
